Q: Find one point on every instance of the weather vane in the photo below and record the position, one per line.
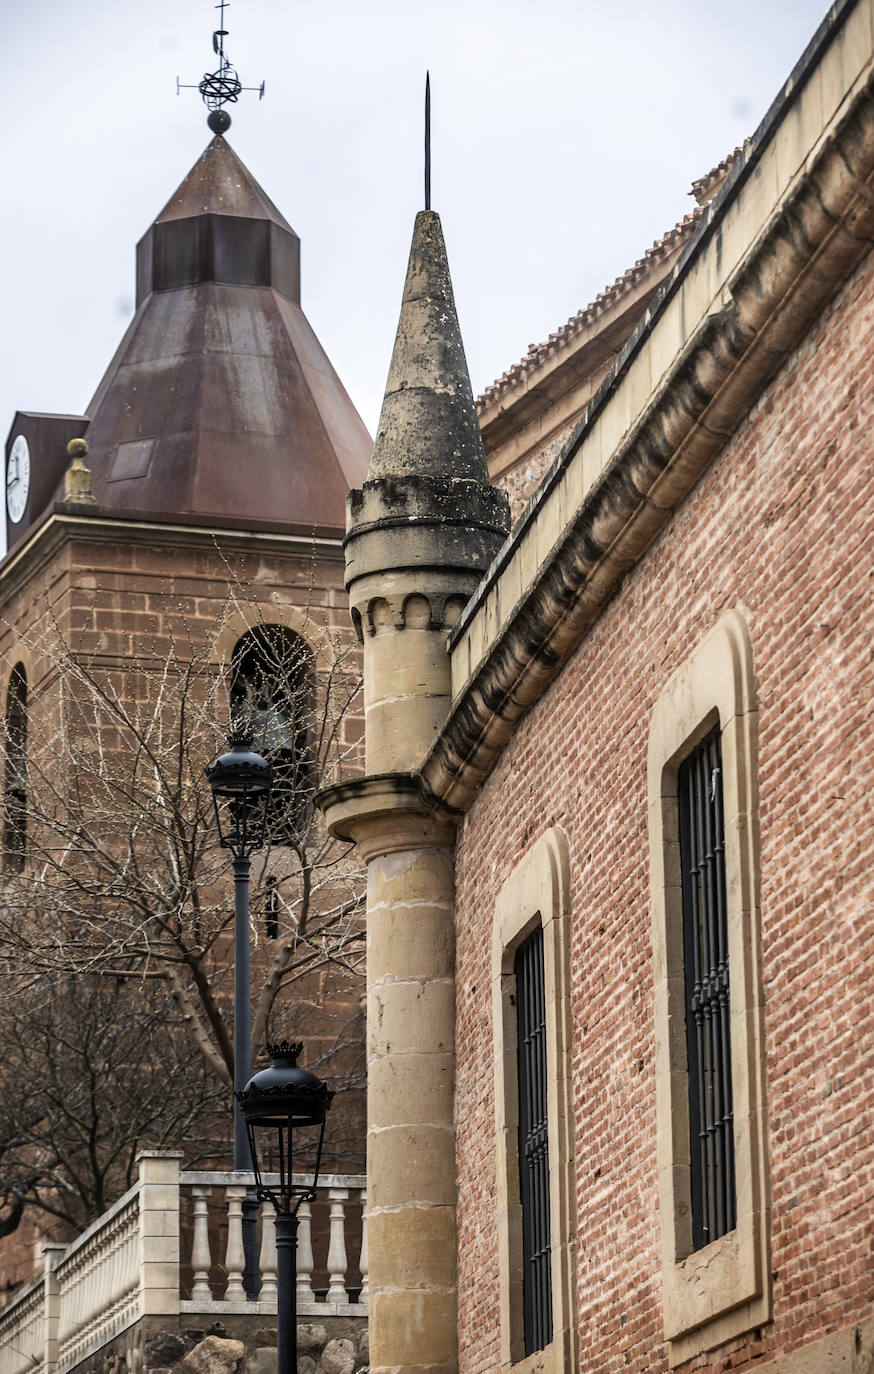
(223, 86)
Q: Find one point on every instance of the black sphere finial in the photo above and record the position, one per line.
(219, 121)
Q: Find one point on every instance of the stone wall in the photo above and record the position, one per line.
(236, 1345)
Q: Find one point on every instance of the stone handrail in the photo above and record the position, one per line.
(128, 1264)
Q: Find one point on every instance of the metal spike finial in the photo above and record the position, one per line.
(427, 140)
(223, 86)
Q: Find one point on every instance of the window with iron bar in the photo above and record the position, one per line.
(705, 940)
(533, 1143)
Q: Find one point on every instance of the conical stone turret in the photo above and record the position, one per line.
(422, 531)
(426, 524)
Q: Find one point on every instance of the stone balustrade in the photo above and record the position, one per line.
(173, 1245)
(22, 1331)
(215, 1256)
(97, 1281)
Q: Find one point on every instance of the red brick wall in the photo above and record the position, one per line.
(782, 526)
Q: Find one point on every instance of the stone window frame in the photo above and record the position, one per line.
(715, 1293)
(537, 892)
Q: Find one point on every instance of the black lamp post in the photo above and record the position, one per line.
(241, 781)
(278, 1103)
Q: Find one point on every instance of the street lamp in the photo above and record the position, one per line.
(277, 1104)
(241, 781)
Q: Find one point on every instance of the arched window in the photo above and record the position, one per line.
(15, 789)
(271, 695)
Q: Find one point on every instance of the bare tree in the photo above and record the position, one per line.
(111, 866)
(91, 1073)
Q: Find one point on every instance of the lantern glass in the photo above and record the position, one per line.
(286, 1173)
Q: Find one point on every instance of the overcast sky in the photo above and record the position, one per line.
(566, 134)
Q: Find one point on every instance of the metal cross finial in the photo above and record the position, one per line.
(223, 86)
(427, 140)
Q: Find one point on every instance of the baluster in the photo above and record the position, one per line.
(305, 1254)
(132, 1261)
(112, 1284)
(337, 1246)
(114, 1256)
(75, 1296)
(362, 1263)
(201, 1259)
(133, 1255)
(235, 1259)
(267, 1255)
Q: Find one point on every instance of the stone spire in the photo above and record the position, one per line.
(428, 424)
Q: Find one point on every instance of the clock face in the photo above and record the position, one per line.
(17, 478)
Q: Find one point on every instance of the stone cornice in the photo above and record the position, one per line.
(808, 239)
(387, 813)
(63, 524)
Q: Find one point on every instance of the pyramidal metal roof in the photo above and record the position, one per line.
(220, 401)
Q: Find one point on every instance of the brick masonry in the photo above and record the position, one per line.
(781, 527)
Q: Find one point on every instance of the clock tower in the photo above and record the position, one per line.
(221, 445)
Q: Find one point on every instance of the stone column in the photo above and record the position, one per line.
(411, 1071)
(421, 532)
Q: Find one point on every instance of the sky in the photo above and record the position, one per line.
(565, 137)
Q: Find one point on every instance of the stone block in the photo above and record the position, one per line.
(213, 1355)
(398, 1092)
(412, 1248)
(311, 1338)
(262, 1361)
(411, 1164)
(163, 1348)
(413, 1329)
(416, 1017)
(418, 875)
(411, 941)
(338, 1357)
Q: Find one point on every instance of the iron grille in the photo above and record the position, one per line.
(705, 939)
(533, 1144)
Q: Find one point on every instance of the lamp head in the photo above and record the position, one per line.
(241, 781)
(277, 1103)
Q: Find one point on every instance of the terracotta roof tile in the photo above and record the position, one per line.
(538, 353)
(703, 190)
